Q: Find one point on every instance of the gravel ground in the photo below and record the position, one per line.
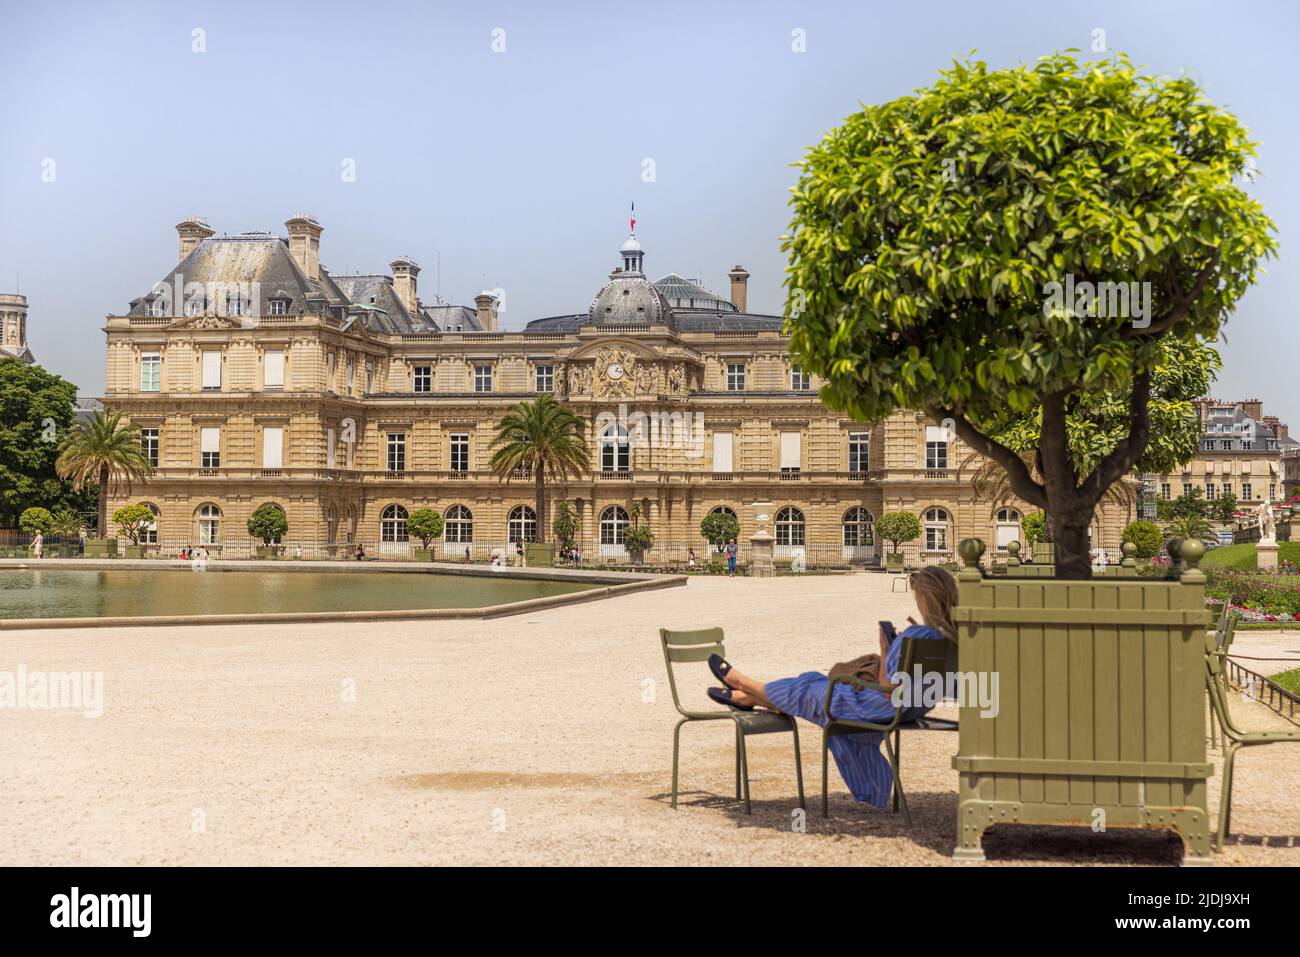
(539, 739)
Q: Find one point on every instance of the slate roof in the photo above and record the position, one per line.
(682, 293)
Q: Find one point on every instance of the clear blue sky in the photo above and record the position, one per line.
(518, 167)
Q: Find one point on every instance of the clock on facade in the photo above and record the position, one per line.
(615, 370)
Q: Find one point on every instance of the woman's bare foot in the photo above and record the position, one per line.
(739, 697)
(734, 679)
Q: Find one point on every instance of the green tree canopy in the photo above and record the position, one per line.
(1147, 536)
(36, 412)
(898, 527)
(425, 524)
(268, 524)
(36, 519)
(1221, 508)
(946, 248)
(1191, 503)
(131, 520)
(103, 452)
(1034, 525)
(719, 527)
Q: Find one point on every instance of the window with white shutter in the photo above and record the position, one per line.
(723, 447)
(789, 452)
(212, 369)
(273, 370)
(272, 447)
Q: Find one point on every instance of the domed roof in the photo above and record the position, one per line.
(629, 300)
(631, 246)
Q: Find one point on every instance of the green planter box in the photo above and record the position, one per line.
(894, 562)
(421, 554)
(539, 554)
(133, 551)
(1100, 704)
(101, 548)
(269, 552)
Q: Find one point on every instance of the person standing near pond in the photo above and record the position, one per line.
(38, 544)
(732, 551)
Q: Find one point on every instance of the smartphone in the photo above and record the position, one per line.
(888, 628)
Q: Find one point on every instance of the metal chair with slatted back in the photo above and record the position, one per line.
(1220, 641)
(684, 647)
(1216, 683)
(934, 656)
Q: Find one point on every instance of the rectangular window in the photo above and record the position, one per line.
(149, 440)
(460, 451)
(423, 378)
(1245, 492)
(273, 369)
(1187, 488)
(273, 447)
(1164, 490)
(1210, 491)
(1226, 445)
(483, 378)
(370, 378)
(397, 451)
(544, 379)
(800, 381)
(210, 447)
(735, 377)
(859, 457)
(329, 448)
(212, 370)
(790, 452)
(150, 372)
(351, 369)
(329, 372)
(279, 307)
(723, 450)
(936, 447)
(1272, 492)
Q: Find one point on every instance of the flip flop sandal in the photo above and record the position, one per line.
(723, 696)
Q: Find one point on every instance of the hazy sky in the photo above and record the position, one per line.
(517, 167)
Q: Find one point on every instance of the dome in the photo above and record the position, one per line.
(631, 246)
(629, 300)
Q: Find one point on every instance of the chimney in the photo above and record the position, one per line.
(304, 244)
(739, 288)
(487, 311)
(405, 269)
(192, 230)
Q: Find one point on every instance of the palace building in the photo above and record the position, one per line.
(259, 377)
(13, 328)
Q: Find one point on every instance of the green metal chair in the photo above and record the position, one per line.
(1222, 641)
(683, 647)
(934, 655)
(1233, 737)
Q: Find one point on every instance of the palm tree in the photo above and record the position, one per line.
(544, 439)
(103, 453)
(1190, 527)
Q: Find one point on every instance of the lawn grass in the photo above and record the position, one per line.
(1242, 557)
(1289, 680)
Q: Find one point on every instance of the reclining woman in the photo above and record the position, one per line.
(863, 767)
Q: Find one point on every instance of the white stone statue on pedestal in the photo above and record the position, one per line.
(1267, 524)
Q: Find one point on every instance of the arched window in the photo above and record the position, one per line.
(392, 524)
(149, 529)
(790, 526)
(521, 526)
(613, 525)
(615, 449)
(209, 524)
(1008, 527)
(936, 530)
(458, 526)
(858, 528)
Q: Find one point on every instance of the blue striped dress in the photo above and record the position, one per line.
(862, 765)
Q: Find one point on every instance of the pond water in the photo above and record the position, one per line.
(38, 593)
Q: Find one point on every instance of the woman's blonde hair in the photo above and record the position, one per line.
(936, 596)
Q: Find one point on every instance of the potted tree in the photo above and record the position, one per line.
(268, 525)
(541, 440)
(107, 454)
(1009, 251)
(718, 528)
(898, 528)
(131, 520)
(426, 525)
(637, 538)
(34, 520)
(565, 527)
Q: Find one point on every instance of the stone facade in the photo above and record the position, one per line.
(13, 327)
(349, 409)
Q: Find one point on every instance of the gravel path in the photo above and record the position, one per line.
(544, 738)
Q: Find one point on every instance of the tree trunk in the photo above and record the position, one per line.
(540, 480)
(103, 502)
(1072, 557)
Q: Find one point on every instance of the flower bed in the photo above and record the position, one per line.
(1257, 596)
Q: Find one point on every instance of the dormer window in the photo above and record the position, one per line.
(279, 307)
(194, 306)
(158, 307)
(234, 304)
